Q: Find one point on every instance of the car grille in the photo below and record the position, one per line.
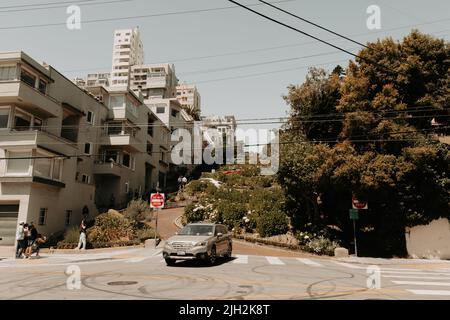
(182, 245)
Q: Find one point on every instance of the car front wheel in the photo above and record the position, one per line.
(170, 262)
(229, 251)
(212, 256)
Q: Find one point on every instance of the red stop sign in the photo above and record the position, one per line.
(157, 200)
(359, 204)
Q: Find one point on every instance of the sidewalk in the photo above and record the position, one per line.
(6, 252)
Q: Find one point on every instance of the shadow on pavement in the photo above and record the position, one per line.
(201, 264)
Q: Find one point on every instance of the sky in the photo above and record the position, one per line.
(211, 46)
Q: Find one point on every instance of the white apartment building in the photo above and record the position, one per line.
(224, 125)
(98, 79)
(155, 81)
(63, 148)
(128, 51)
(189, 97)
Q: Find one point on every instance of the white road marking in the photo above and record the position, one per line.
(431, 292)
(424, 283)
(348, 265)
(157, 252)
(309, 262)
(428, 273)
(241, 259)
(416, 277)
(274, 260)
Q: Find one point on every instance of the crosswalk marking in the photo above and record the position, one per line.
(430, 292)
(424, 283)
(348, 265)
(157, 252)
(309, 262)
(416, 277)
(241, 259)
(274, 260)
(428, 273)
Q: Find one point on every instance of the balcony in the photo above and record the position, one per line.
(107, 169)
(28, 98)
(126, 140)
(34, 139)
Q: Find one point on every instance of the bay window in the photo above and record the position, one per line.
(4, 117)
(18, 162)
(8, 73)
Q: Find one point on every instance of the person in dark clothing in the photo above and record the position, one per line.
(32, 236)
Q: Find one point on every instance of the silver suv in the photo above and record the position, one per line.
(204, 241)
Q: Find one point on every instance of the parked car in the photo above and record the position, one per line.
(203, 241)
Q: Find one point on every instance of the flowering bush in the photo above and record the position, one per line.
(321, 245)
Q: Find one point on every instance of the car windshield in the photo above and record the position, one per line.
(197, 230)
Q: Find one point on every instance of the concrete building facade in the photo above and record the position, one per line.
(63, 147)
(128, 51)
(189, 97)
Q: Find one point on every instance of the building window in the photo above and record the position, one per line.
(28, 78)
(4, 116)
(85, 178)
(22, 120)
(87, 148)
(8, 73)
(42, 86)
(18, 162)
(90, 117)
(42, 216)
(126, 159)
(160, 110)
(149, 148)
(127, 187)
(150, 124)
(68, 217)
(174, 113)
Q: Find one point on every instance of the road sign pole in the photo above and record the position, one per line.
(156, 227)
(354, 237)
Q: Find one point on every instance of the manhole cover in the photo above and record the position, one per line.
(122, 283)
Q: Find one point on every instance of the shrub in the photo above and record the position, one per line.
(194, 213)
(145, 233)
(321, 245)
(197, 186)
(271, 223)
(110, 227)
(138, 210)
(72, 235)
(231, 213)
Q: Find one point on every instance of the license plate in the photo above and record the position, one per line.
(181, 253)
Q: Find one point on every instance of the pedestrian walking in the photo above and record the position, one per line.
(82, 240)
(19, 239)
(40, 240)
(33, 234)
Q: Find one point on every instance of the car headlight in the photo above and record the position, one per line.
(169, 244)
(200, 244)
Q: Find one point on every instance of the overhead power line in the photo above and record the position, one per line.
(63, 4)
(309, 35)
(313, 23)
(133, 17)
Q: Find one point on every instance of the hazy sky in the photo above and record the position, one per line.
(175, 37)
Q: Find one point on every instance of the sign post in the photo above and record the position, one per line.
(354, 215)
(157, 203)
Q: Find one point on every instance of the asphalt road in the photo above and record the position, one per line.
(254, 272)
(141, 273)
(167, 228)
